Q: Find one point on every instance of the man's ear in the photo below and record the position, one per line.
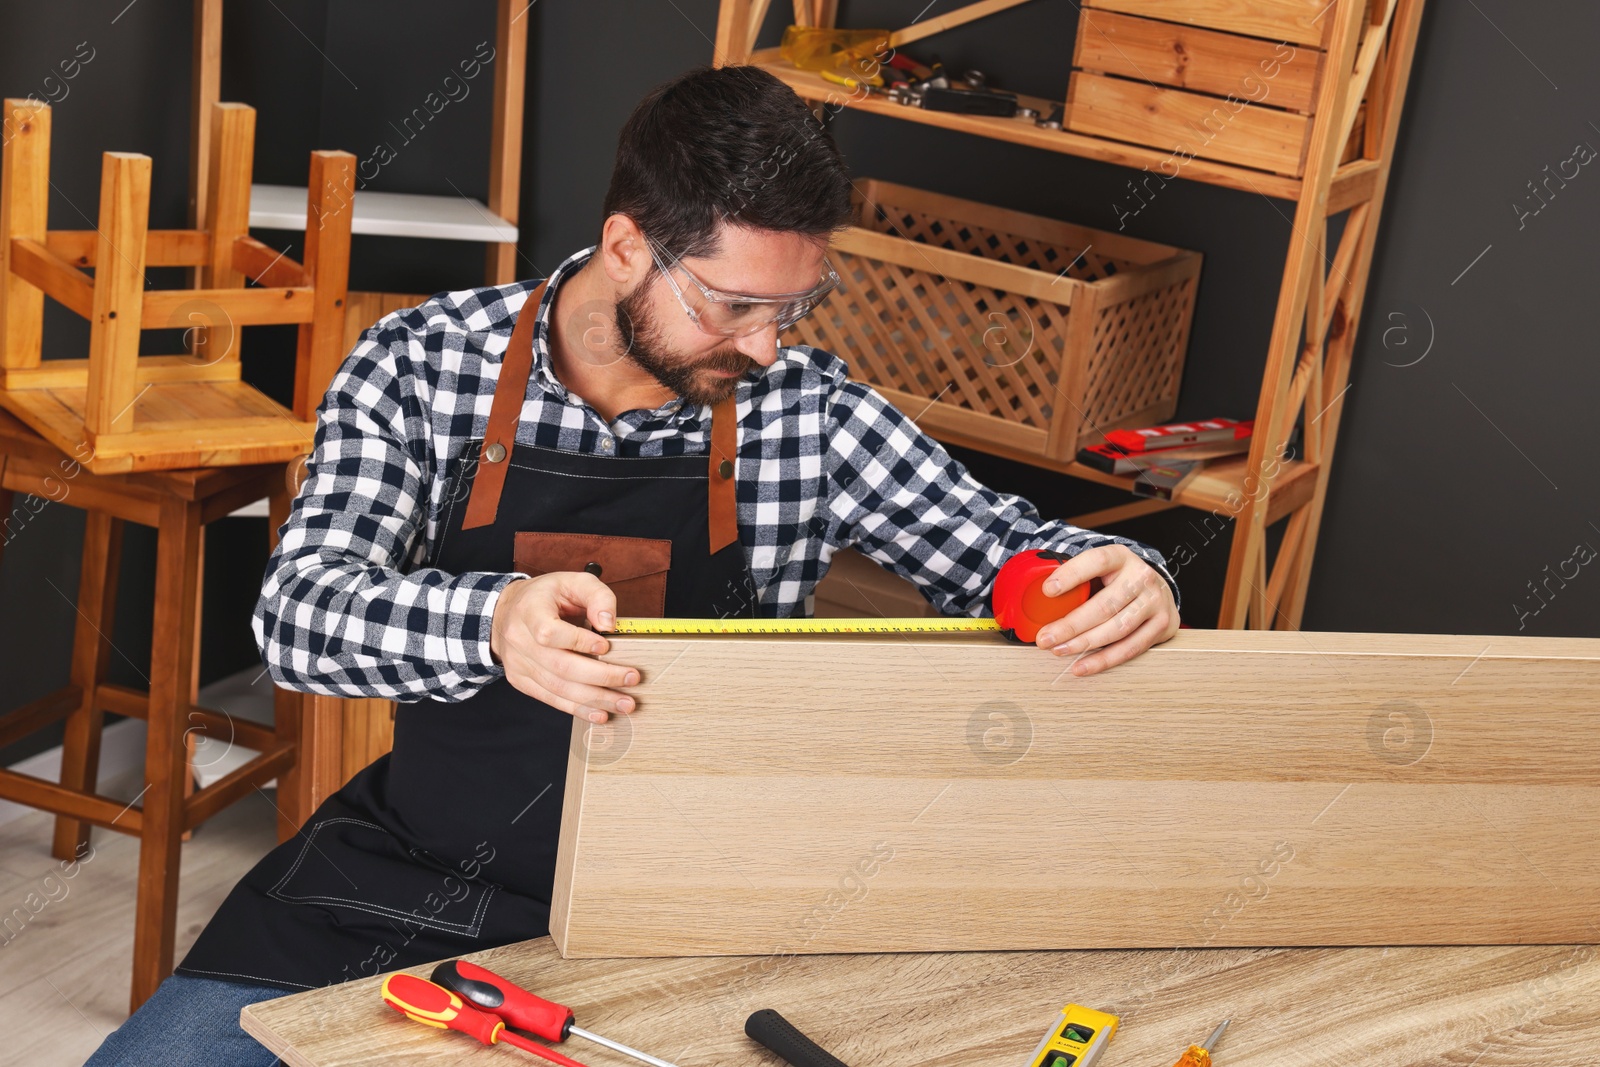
(623, 253)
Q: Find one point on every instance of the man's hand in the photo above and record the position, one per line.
(1132, 611)
(550, 658)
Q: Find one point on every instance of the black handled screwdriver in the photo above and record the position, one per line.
(781, 1036)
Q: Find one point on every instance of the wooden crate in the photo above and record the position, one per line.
(1227, 80)
(1003, 330)
(911, 793)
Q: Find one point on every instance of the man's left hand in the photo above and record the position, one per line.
(1132, 611)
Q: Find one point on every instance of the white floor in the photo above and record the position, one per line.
(66, 943)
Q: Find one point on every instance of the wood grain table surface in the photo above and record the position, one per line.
(1495, 1006)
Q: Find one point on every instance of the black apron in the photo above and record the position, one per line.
(447, 844)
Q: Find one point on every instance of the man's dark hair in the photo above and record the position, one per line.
(726, 144)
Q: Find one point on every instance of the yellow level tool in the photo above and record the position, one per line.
(805, 626)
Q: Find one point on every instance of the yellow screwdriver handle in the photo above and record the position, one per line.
(1195, 1057)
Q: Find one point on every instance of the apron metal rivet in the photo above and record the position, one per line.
(725, 469)
(593, 568)
(494, 453)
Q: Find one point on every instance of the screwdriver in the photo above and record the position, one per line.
(422, 1001)
(1200, 1055)
(521, 1009)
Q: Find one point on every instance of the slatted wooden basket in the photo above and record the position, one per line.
(1010, 332)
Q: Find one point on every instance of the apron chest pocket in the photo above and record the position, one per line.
(357, 865)
(635, 568)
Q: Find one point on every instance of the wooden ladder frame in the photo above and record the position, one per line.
(1371, 46)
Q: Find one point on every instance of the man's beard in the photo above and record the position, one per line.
(641, 342)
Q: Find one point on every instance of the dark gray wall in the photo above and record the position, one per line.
(1465, 469)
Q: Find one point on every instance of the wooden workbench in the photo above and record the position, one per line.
(1527, 1006)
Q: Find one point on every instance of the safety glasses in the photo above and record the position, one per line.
(739, 314)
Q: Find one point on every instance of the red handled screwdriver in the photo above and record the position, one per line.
(420, 1000)
(520, 1008)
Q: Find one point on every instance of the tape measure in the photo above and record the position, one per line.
(1020, 607)
(1077, 1040)
(805, 626)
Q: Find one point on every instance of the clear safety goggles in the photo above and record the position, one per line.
(739, 314)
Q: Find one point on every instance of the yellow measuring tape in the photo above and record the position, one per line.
(805, 626)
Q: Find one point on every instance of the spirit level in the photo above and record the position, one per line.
(1077, 1040)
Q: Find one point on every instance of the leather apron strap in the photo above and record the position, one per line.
(505, 413)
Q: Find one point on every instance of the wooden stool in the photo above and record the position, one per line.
(172, 442)
(116, 411)
(177, 504)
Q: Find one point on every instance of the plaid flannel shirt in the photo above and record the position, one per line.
(349, 606)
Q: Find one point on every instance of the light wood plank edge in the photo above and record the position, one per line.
(24, 207)
(561, 897)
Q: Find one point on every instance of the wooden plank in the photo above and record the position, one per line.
(949, 21)
(1300, 21)
(36, 792)
(505, 143)
(24, 207)
(58, 279)
(735, 30)
(723, 824)
(969, 268)
(1530, 1006)
(1186, 124)
(205, 89)
(264, 266)
(1186, 57)
(18, 723)
(166, 764)
(1023, 224)
(233, 133)
(118, 289)
(1301, 269)
(74, 373)
(1366, 63)
(329, 199)
(239, 782)
(1398, 58)
(100, 566)
(364, 308)
(162, 248)
(246, 307)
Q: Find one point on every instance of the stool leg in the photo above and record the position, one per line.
(91, 652)
(172, 647)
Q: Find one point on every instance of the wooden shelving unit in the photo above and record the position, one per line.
(395, 214)
(1369, 46)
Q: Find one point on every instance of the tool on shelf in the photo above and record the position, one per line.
(1077, 1040)
(778, 1035)
(422, 1001)
(1180, 434)
(1019, 603)
(821, 48)
(519, 1008)
(1200, 1055)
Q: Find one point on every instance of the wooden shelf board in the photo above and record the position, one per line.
(445, 218)
(811, 86)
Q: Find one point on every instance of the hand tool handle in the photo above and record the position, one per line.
(514, 1005)
(422, 1001)
(778, 1034)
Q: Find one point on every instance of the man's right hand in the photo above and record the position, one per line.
(552, 659)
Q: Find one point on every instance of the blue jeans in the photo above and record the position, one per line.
(189, 1022)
